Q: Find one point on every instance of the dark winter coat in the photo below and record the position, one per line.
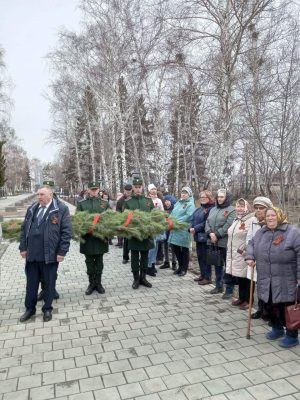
(57, 230)
(198, 222)
(93, 245)
(144, 204)
(120, 204)
(219, 220)
(277, 256)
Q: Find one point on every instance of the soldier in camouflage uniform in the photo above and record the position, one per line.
(139, 248)
(93, 248)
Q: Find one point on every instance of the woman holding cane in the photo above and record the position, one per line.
(275, 249)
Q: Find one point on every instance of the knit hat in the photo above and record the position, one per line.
(188, 190)
(262, 201)
(151, 186)
(128, 187)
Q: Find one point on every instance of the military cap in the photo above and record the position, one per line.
(48, 183)
(137, 181)
(93, 185)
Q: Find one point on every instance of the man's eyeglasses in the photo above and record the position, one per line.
(259, 207)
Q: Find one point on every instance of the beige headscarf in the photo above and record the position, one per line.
(248, 208)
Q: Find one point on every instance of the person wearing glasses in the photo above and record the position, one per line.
(92, 247)
(200, 236)
(260, 205)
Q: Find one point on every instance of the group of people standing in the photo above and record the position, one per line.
(247, 237)
(239, 238)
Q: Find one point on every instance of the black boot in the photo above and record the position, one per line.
(153, 267)
(143, 280)
(174, 266)
(165, 265)
(136, 281)
(151, 271)
(91, 286)
(182, 273)
(41, 295)
(100, 289)
(178, 271)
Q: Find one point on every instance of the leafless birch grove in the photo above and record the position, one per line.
(197, 92)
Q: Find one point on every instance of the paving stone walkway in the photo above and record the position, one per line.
(172, 342)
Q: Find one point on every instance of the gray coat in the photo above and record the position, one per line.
(277, 264)
(218, 222)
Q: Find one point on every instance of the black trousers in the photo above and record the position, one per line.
(276, 313)
(166, 246)
(139, 260)
(125, 250)
(205, 270)
(160, 254)
(183, 256)
(244, 289)
(43, 281)
(94, 264)
(34, 270)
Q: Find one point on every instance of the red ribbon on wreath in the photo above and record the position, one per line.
(129, 218)
(95, 221)
(170, 223)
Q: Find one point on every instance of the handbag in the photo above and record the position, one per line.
(214, 256)
(292, 313)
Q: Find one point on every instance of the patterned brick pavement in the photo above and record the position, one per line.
(174, 341)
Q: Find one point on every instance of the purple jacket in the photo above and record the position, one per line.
(277, 256)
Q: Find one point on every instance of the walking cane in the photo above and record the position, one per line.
(250, 305)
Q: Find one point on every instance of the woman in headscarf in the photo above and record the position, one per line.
(236, 250)
(200, 236)
(181, 240)
(275, 249)
(219, 220)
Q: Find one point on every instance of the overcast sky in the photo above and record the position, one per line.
(28, 30)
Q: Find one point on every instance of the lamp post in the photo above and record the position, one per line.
(101, 183)
(133, 174)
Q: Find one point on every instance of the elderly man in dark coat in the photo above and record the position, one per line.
(44, 242)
